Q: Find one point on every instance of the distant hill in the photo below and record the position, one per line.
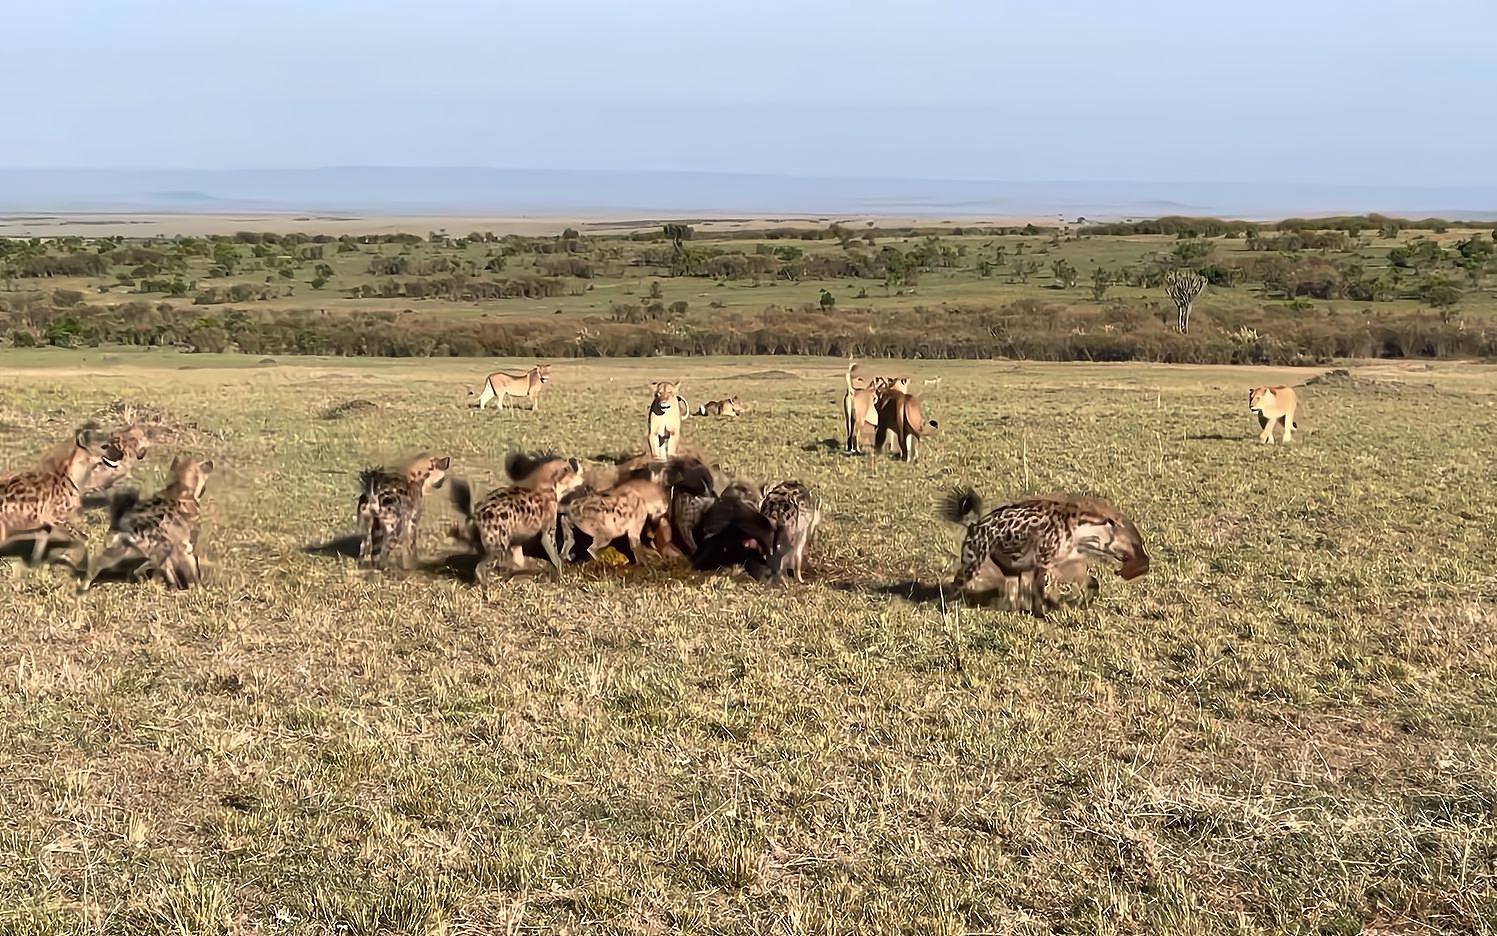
(457, 190)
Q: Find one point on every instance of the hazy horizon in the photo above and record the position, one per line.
(1006, 107)
(570, 193)
(1156, 91)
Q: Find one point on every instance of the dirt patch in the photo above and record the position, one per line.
(771, 375)
(1338, 376)
(349, 409)
(161, 424)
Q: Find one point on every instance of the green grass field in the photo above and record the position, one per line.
(1286, 726)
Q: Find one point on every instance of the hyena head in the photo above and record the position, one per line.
(428, 471)
(1102, 531)
(190, 475)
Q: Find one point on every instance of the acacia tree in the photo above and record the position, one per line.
(1101, 279)
(1183, 287)
(678, 233)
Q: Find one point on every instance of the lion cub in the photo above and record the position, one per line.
(663, 424)
(389, 510)
(1273, 406)
(729, 407)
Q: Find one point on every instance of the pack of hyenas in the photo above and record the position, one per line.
(675, 503)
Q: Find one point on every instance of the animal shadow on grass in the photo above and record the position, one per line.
(1212, 437)
(916, 592)
(830, 445)
(460, 566)
(346, 547)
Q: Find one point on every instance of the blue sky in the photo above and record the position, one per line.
(1329, 91)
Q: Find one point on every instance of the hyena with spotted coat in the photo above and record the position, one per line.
(795, 513)
(1033, 540)
(499, 525)
(623, 510)
(160, 534)
(389, 510)
(46, 499)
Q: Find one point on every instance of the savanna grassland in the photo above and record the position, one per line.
(1286, 726)
(1291, 292)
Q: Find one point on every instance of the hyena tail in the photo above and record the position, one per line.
(462, 497)
(121, 504)
(962, 505)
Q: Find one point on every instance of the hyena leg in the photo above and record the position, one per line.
(402, 545)
(548, 543)
(366, 538)
(1037, 582)
(688, 540)
(75, 547)
(484, 570)
(40, 544)
(635, 534)
(184, 559)
(112, 556)
(971, 562)
(167, 566)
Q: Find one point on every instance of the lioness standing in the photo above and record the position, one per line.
(663, 425)
(1273, 406)
(500, 385)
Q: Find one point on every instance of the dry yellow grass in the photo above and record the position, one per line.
(1286, 726)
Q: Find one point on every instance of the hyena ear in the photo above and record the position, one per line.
(206, 467)
(443, 463)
